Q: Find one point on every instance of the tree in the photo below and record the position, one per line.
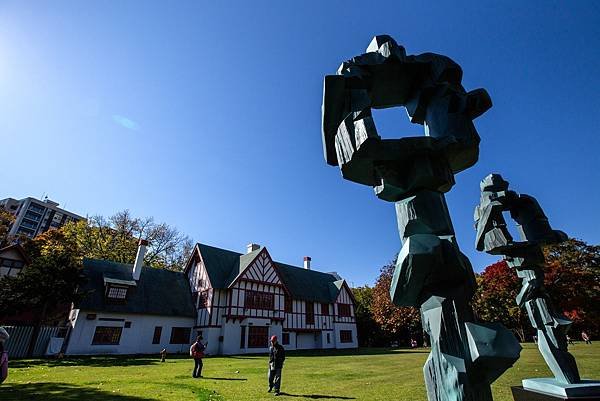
(116, 238)
(47, 285)
(6, 221)
(494, 301)
(572, 279)
(369, 333)
(398, 323)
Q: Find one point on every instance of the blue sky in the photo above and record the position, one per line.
(207, 116)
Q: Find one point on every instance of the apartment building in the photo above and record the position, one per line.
(34, 216)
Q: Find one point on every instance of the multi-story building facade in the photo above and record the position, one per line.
(34, 216)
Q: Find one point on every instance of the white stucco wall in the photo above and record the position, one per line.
(232, 334)
(134, 340)
(345, 326)
(306, 341)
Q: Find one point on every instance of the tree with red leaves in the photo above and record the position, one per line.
(397, 323)
(494, 301)
(572, 278)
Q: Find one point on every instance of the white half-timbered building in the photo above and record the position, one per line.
(243, 299)
(235, 301)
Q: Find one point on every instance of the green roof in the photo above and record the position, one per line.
(309, 285)
(158, 291)
(223, 267)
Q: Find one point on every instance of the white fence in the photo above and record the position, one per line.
(20, 336)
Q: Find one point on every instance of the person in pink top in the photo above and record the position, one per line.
(3, 355)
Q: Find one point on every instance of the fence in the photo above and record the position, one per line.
(20, 336)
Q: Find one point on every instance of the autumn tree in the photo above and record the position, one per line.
(47, 285)
(369, 332)
(6, 221)
(494, 301)
(572, 278)
(398, 323)
(116, 238)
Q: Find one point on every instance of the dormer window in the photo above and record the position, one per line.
(114, 292)
(116, 289)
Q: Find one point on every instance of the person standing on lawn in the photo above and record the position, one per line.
(276, 358)
(197, 352)
(585, 337)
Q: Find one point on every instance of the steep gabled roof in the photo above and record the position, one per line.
(244, 262)
(224, 267)
(219, 264)
(157, 292)
(309, 285)
(19, 249)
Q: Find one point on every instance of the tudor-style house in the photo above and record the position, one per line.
(243, 299)
(235, 301)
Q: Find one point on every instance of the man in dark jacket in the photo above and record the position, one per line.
(197, 352)
(276, 358)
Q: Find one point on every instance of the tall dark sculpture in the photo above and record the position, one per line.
(527, 258)
(415, 172)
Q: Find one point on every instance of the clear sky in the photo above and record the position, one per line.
(206, 115)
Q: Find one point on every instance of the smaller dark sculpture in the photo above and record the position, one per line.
(527, 258)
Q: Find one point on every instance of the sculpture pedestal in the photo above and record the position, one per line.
(549, 389)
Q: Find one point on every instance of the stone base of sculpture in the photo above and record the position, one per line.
(551, 386)
(549, 389)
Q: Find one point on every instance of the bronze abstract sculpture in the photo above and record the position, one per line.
(415, 172)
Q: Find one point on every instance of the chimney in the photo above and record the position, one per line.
(307, 260)
(139, 259)
(251, 247)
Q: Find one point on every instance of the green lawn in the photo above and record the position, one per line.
(368, 374)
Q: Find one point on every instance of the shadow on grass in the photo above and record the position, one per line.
(341, 352)
(241, 379)
(224, 378)
(93, 361)
(358, 351)
(59, 392)
(318, 396)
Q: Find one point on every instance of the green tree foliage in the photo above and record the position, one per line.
(6, 221)
(48, 282)
(494, 301)
(369, 333)
(116, 238)
(572, 278)
(396, 323)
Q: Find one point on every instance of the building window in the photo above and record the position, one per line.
(36, 208)
(243, 337)
(310, 313)
(259, 300)
(127, 325)
(285, 338)
(328, 338)
(180, 335)
(107, 335)
(287, 305)
(202, 299)
(195, 298)
(156, 335)
(324, 309)
(119, 293)
(345, 336)
(343, 310)
(258, 337)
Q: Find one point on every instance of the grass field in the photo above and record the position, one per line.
(368, 374)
